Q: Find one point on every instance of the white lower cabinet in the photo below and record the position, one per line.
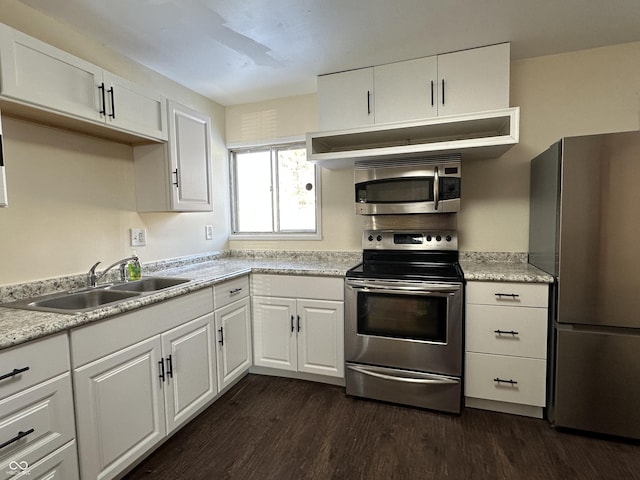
(506, 347)
(299, 334)
(36, 411)
(130, 396)
(233, 327)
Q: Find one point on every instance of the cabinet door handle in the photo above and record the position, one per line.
(368, 102)
(443, 91)
(20, 435)
(113, 103)
(175, 172)
(432, 98)
(14, 372)
(506, 332)
(103, 106)
(170, 366)
(292, 327)
(221, 341)
(500, 380)
(298, 318)
(161, 368)
(235, 291)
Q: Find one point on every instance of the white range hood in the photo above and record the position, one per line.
(478, 135)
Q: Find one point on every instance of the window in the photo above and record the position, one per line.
(275, 192)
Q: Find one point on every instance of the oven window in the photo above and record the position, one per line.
(414, 317)
(403, 190)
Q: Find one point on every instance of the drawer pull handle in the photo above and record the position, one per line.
(292, 327)
(235, 291)
(221, 341)
(20, 435)
(506, 332)
(161, 368)
(500, 380)
(16, 371)
(510, 295)
(170, 366)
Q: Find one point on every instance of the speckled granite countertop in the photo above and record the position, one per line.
(501, 267)
(19, 326)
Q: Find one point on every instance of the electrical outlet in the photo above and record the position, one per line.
(208, 232)
(138, 237)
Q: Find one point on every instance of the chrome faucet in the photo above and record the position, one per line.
(93, 278)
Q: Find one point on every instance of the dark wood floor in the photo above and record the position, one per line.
(276, 428)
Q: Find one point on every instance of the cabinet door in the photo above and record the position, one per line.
(321, 337)
(45, 77)
(119, 409)
(135, 109)
(190, 155)
(275, 333)
(233, 328)
(345, 99)
(474, 80)
(406, 90)
(190, 361)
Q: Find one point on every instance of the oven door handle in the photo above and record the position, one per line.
(427, 290)
(423, 379)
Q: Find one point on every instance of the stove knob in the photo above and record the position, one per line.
(370, 238)
(438, 238)
(428, 238)
(379, 238)
(448, 238)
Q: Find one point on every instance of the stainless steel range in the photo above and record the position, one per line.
(403, 320)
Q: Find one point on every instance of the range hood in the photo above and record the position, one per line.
(478, 135)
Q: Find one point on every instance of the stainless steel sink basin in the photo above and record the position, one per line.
(92, 298)
(82, 301)
(149, 284)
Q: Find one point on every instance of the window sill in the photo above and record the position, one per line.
(276, 236)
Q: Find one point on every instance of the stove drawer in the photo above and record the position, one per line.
(425, 390)
(508, 293)
(506, 379)
(518, 331)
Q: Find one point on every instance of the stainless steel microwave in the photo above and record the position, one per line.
(407, 186)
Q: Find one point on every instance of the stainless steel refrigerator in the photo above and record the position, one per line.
(585, 230)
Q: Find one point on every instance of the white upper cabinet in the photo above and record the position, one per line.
(176, 176)
(346, 99)
(468, 81)
(37, 75)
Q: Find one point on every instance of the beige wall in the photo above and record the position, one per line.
(584, 92)
(72, 197)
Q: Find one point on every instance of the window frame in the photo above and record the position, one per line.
(273, 235)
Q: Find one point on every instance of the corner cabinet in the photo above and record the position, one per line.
(468, 81)
(506, 347)
(298, 324)
(132, 391)
(176, 176)
(46, 79)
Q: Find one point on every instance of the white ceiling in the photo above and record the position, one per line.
(239, 51)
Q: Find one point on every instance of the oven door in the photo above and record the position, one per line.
(409, 325)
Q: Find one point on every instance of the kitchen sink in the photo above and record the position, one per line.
(82, 301)
(85, 300)
(148, 284)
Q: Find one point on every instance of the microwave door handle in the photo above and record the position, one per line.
(436, 188)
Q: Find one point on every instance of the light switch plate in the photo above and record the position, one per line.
(208, 232)
(138, 237)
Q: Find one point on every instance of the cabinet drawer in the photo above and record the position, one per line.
(482, 372)
(60, 465)
(40, 419)
(508, 293)
(31, 363)
(298, 286)
(518, 331)
(227, 292)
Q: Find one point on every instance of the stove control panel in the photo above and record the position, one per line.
(409, 240)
